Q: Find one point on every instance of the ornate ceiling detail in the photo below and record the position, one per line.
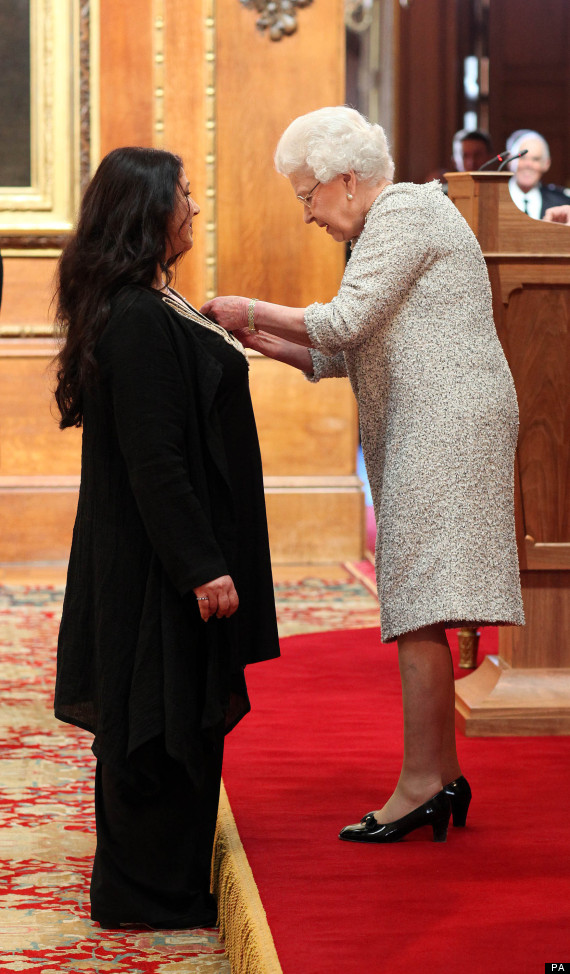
(278, 17)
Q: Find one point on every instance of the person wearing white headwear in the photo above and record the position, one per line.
(471, 149)
(412, 326)
(525, 185)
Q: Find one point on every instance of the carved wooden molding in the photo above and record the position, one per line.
(358, 15)
(546, 556)
(14, 243)
(277, 17)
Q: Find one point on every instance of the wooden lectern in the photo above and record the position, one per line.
(526, 688)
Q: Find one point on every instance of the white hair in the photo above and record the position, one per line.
(516, 141)
(331, 141)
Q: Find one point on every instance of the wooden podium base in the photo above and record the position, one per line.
(498, 700)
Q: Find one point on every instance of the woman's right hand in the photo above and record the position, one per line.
(218, 597)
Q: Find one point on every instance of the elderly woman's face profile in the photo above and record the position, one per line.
(327, 205)
(180, 234)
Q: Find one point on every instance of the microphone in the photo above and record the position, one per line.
(503, 156)
(511, 157)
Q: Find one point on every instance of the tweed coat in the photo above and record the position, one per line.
(412, 327)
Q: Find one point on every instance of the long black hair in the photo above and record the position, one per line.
(121, 238)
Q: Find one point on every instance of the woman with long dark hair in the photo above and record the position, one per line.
(170, 534)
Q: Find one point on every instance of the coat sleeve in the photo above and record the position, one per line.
(390, 256)
(150, 404)
(327, 366)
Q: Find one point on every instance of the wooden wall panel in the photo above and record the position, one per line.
(27, 294)
(30, 442)
(264, 249)
(428, 87)
(36, 520)
(545, 643)
(537, 320)
(305, 429)
(188, 103)
(530, 75)
(126, 72)
(153, 92)
(292, 514)
(39, 464)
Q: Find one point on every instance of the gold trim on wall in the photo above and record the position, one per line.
(42, 214)
(158, 71)
(92, 96)
(210, 207)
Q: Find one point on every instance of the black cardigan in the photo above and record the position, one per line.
(155, 519)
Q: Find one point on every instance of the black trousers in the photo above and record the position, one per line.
(155, 835)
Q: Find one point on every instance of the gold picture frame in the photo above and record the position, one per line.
(63, 60)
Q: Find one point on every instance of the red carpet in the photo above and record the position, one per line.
(321, 748)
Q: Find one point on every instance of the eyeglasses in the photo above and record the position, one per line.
(308, 199)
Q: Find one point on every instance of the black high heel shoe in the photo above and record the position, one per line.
(459, 794)
(434, 812)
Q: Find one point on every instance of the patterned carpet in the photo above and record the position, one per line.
(46, 776)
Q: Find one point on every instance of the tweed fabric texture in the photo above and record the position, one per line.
(412, 327)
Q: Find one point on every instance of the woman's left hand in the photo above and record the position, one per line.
(230, 312)
(217, 597)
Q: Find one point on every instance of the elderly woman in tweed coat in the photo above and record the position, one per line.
(412, 327)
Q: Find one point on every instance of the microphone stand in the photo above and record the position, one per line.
(502, 157)
(510, 158)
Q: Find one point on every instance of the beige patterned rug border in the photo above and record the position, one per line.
(243, 921)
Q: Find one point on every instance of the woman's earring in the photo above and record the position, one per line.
(349, 196)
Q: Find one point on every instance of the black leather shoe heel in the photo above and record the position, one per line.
(459, 794)
(434, 812)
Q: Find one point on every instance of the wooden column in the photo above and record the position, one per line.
(526, 689)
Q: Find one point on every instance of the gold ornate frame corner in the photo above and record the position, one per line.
(64, 131)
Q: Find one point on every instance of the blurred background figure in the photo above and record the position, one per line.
(526, 189)
(471, 149)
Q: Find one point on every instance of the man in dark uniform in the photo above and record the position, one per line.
(525, 186)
